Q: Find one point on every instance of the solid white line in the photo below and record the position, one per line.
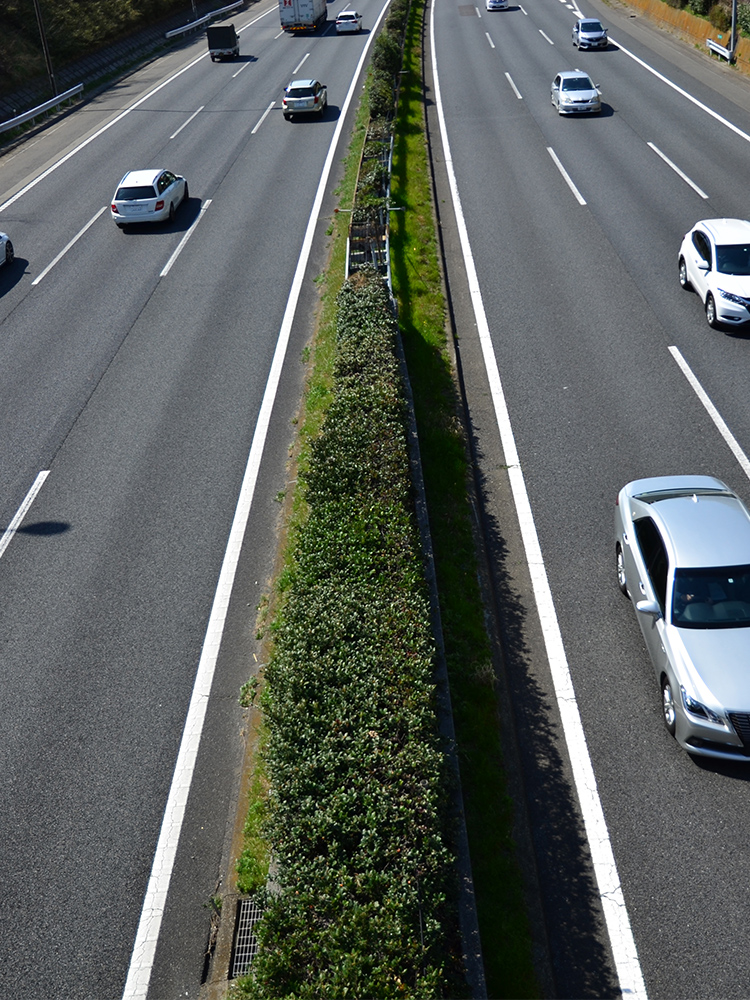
(172, 136)
(75, 239)
(144, 949)
(22, 511)
(263, 118)
(168, 266)
(565, 174)
(624, 950)
(515, 88)
(300, 64)
(677, 170)
(492, 44)
(713, 413)
(684, 93)
(546, 36)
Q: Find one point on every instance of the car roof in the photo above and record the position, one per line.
(703, 522)
(302, 83)
(137, 177)
(573, 74)
(343, 13)
(727, 230)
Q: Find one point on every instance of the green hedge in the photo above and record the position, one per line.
(358, 805)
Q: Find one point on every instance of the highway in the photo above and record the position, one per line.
(139, 397)
(572, 227)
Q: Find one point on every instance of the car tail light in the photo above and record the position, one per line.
(114, 209)
(159, 205)
(315, 101)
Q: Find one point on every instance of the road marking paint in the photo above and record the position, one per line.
(263, 118)
(300, 64)
(282, 32)
(515, 88)
(677, 170)
(154, 903)
(620, 933)
(566, 176)
(713, 413)
(22, 511)
(168, 266)
(546, 36)
(694, 100)
(242, 67)
(477, 10)
(492, 44)
(118, 118)
(172, 136)
(72, 243)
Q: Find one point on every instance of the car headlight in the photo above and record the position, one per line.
(731, 297)
(699, 710)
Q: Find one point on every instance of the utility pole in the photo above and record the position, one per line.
(45, 48)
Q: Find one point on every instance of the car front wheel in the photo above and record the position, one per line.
(711, 317)
(667, 706)
(622, 582)
(684, 280)
(9, 254)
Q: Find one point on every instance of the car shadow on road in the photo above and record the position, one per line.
(11, 274)
(184, 217)
(330, 114)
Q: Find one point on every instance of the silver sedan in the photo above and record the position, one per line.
(682, 545)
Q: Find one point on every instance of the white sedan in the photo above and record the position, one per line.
(148, 196)
(348, 20)
(6, 249)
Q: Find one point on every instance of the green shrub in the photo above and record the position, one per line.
(720, 17)
(699, 7)
(380, 96)
(743, 17)
(363, 904)
(386, 54)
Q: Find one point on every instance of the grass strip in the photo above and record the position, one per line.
(417, 285)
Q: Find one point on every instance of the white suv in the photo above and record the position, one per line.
(148, 196)
(347, 21)
(714, 260)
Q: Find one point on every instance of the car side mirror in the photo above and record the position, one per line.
(703, 265)
(649, 608)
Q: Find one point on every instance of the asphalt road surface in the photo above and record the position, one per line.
(133, 376)
(574, 225)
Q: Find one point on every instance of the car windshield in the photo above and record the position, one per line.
(577, 83)
(134, 193)
(301, 92)
(712, 598)
(591, 26)
(733, 259)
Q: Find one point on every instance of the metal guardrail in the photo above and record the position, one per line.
(193, 25)
(720, 50)
(40, 110)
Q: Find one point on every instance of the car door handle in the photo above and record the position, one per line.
(643, 589)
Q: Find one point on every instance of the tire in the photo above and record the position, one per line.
(667, 706)
(711, 316)
(171, 212)
(287, 118)
(684, 280)
(9, 253)
(622, 582)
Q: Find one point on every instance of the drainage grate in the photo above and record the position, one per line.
(245, 943)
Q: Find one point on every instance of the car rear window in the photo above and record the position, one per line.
(301, 92)
(347, 17)
(134, 193)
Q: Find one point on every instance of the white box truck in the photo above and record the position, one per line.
(302, 15)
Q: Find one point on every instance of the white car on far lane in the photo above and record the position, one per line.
(348, 21)
(148, 196)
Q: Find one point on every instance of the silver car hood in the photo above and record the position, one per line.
(720, 659)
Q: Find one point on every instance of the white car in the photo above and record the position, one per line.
(348, 20)
(307, 97)
(6, 249)
(573, 93)
(715, 261)
(496, 4)
(148, 196)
